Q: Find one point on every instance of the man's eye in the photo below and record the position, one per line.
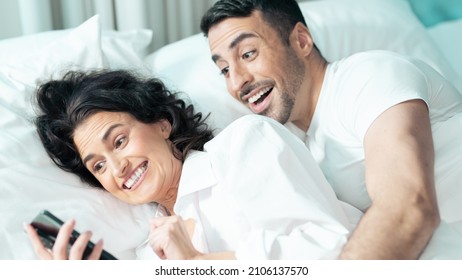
(248, 55)
(119, 142)
(224, 71)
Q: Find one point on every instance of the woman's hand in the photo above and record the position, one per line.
(170, 238)
(59, 251)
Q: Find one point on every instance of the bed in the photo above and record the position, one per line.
(30, 182)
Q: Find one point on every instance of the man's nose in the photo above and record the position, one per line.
(238, 78)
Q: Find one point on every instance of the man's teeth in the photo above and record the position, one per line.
(257, 96)
(136, 176)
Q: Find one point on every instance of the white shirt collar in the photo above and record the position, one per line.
(302, 135)
(197, 174)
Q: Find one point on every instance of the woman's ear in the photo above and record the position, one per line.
(165, 128)
(302, 39)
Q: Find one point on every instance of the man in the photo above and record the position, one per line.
(367, 119)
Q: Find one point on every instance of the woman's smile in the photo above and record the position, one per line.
(136, 178)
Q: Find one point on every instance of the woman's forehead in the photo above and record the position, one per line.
(98, 126)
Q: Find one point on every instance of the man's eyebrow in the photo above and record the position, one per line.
(241, 38)
(105, 137)
(234, 43)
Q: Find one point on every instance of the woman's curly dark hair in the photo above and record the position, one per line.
(65, 103)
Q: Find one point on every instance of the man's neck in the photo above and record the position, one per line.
(306, 103)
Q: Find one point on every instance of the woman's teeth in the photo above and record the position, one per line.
(135, 177)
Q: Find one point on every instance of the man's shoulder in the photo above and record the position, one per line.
(376, 57)
(380, 66)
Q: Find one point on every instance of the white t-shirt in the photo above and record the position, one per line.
(355, 92)
(257, 191)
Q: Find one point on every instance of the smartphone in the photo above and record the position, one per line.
(47, 226)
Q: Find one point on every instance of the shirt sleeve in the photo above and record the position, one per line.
(373, 82)
(292, 211)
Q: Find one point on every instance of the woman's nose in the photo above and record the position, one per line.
(119, 167)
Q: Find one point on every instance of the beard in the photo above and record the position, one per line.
(295, 70)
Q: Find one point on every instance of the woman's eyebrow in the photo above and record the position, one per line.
(87, 158)
(105, 137)
(109, 130)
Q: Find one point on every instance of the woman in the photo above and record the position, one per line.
(250, 192)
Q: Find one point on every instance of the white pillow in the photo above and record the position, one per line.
(448, 37)
(30, 181)
(125, 49)
(343, 27)
(79, 49)
(339, 28)
(193, 73)
(133, 44)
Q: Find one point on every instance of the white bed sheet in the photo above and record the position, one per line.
(30, 182)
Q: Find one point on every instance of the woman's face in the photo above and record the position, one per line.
(134, 161)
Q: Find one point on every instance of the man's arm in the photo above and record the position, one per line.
(399, 170)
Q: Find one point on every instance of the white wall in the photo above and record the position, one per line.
(429, 11)
(10, 25)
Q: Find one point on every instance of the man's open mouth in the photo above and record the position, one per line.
(260, 96)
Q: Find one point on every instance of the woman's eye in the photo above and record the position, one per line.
(119, 142)
(98, 166)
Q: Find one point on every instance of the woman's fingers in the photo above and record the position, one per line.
(40, 250)
(97, 250)
(79, 246)
(62, 240)
(157, 248)
(61, 245)
(169, 238)
(157, 237)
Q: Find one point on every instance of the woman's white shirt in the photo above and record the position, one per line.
(256, 190)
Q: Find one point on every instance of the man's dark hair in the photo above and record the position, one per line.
(282, 15)
(65, 103)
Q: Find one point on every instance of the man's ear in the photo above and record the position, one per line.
(165, 128)
(302, 40)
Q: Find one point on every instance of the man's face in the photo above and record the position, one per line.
(261, 71)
